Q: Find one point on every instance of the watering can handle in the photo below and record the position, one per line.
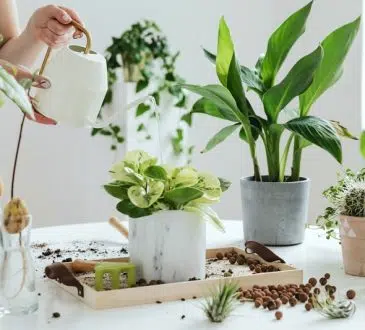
(78, 26)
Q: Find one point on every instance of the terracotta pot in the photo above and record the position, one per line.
(352, 232)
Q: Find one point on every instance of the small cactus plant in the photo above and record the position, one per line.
(219, 305)
(347, 198)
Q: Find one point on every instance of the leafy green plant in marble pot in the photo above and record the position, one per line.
(347, 212)
(168, 208)
(275, 205)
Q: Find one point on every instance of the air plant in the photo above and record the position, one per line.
(222, 301)
(332, 309)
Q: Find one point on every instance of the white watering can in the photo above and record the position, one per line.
(79, 83)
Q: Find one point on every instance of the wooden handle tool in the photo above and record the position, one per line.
(119, 226)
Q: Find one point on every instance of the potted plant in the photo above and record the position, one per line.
(167, 209)
(275, 205)
(347, 212)
(143, 53)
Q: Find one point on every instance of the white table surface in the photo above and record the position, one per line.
(316, 257)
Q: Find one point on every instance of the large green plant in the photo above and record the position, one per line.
(307, 80)
(144, 187)
(148, 61)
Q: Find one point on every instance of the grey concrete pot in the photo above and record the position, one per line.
(274, 213)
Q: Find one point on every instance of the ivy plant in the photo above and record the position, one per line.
(144, 187)
(143, 53)
(306, 81)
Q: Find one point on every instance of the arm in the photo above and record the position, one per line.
(48, 25)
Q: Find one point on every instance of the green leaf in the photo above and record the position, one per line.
(335, 46)
(211, 57)
(220, 137)
(280, 43)
(117, 190)
(220, 96)
(128, 208)
(295, 83)
(95, 131)
(208, 107)
(182, 196)
(141, 85)
(234, 85)
(362, 144)
(141, 127)
(156, 172)
(225, 184)
(207, 214)
(318, 131)
(141, 109)
(156, 96)
(342, 131)
(224, 52)
(181, 103)
(188, 118)
(255, 129)
(144, 197)
(15, 92)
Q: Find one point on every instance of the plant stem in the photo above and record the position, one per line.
(252, 145)
(297, 156)
(16, 156)
(284, 158)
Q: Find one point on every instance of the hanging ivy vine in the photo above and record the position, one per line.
(142, 52)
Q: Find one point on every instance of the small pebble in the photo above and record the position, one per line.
(279, 315)
(56, 315)
(351, 294)
(308, 306)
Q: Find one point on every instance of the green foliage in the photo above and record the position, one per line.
(144, 187)
(362, 144)
(347, 197)
(146, 60)
(221, 302)
(308, 79)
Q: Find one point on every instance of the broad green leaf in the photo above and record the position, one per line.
(256, 128)
(362, 144)
(280, 43)
(342, 131)
(141, 109)
(156, 172)
(234, 85)
(210, 185)
(225, 51)
(295, 83)
(120, 172)
(220, 96)
(225, 184)
(144, 197)
(182, 196)
(128, 208)
(139, 160)
(15, 92)
(117, 190)
(249, 77)
(318, 131)
(184, 177)
(208, 107)
(335, 46)
(220, 137)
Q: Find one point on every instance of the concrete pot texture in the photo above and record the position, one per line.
(169, 246)
(274, 213)
(352, 233)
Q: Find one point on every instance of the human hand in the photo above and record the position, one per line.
(23, 74)
(51, 25)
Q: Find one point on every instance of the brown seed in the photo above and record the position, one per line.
(278, 302)
(303, 297)
(332, 297)
(307, 290)
(258, 303)
(310, 301)
(313, 281)
(241, 260)
(256, 286)
(233, 252)
(267, 292)
(272, 305)
(264, 268)
(284, 300)
(323, 281)
(279, 315)
(252, 267)
(351, 294)
(228, 255)
(280, 288)
(270, 268)
(274, 296)
(258, 269)
(334, 289)
(219, 255)
(317, 291)
(327, 276)
(309, 286)
(308, 306)
(232, 260)
(292, 301)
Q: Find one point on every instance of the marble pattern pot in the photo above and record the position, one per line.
(274, 213)
(168, 246)
(352, 232)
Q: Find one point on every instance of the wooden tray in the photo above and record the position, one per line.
(172, 291)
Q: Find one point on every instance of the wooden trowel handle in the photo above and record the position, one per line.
(83, 266)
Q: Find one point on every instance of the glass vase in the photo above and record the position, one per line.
(17, 274)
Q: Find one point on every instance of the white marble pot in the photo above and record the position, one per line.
(168, 246)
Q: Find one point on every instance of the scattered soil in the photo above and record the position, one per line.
(56, 315)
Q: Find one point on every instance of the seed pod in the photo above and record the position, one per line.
(258, 303)
(303, 297)
(308, 306)
(313, 281)
(279, 315)
(241, 260)
(323, 281)
(232, 260)
(292, 301)
(284, 300)
(264, 268)
(252, 267)
(219, 255)
(274, 296)
(258, 269)
(327, 276)
(317, 291)
(272, 305)
(351, 294)
(278, 303)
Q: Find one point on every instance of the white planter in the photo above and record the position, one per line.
(168, 246)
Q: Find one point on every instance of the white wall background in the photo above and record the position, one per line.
(61, 169)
